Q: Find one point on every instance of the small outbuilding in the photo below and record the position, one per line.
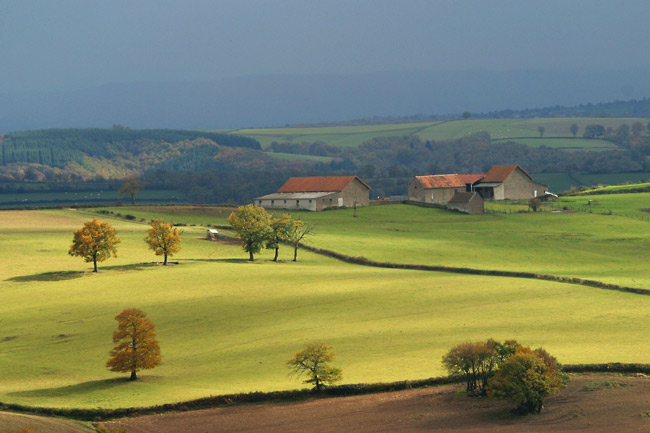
(318, 193)
(467, 202)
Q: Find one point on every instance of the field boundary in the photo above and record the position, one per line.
(472, 271)
(99, 414)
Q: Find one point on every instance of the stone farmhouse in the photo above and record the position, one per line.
(509, 182)
(318, 193)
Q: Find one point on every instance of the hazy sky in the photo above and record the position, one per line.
(57, 45)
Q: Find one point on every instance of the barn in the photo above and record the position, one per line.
(509, 182)
(440, 188)
(317, 193)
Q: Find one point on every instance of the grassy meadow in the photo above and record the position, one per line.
(556, 132)
(226, 325)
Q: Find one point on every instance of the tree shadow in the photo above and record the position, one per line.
(221, 260)
(131, 267)
(48, 276)
(83, 387)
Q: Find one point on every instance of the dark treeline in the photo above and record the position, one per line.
(630, 108)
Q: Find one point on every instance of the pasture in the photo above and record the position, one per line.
(226, 325)
(556, 132)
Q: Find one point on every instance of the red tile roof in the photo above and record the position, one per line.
(441, 181)
(319, 183)
(470, 178)
(500, 173)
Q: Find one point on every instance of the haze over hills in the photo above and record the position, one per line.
(272, 100)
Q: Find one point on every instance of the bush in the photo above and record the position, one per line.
(526, 379)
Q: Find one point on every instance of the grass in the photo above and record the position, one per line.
(55, 198)
(568, 143)
(15, 422)
(617, 188)
(226, 325)
(559, 182)
(525, 131)
(628, 204)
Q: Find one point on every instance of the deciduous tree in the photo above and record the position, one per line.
(526, 379)
(574, 129)
(253, 226)
(478, 361)
(95, 242)
(131, 187)
(164, 239)
(541, 130)
(281, 229)
(314, 361)
(298, 232)
(138, 348)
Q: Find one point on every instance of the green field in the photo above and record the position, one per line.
(525, 131)
(71, 198)
(559, 182)
(226, 325)
(629, 204)
(342, 136)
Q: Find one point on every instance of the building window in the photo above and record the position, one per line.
(297, 202)
(272, 201)
(285, 202)
(309, 201)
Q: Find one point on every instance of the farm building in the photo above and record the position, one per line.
(440, 188)
(467, 202)
(509, 182)
(318, 193)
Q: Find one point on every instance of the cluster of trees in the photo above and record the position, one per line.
(507, 370)
(97, 241)
(258, 229)
(623, 135)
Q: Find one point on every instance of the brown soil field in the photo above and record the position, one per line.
(590, 403)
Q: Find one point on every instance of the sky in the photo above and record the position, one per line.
(73, 44)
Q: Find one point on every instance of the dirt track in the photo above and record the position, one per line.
(591, 403)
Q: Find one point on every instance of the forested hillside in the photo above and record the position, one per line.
(64, 154)
(215, 167)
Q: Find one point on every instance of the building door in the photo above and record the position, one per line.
(340, 201)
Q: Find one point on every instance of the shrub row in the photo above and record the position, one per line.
(514, 274)
(293, 395)
(231, 399)
(612, 367)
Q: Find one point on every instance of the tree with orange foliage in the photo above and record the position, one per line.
(95, 242)
(138, 348)
(164, 239)
(526, 379)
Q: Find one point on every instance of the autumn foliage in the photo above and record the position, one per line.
(478, 361)
(95, 242)
(137, 347)
(164, 239)
(526, 379)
